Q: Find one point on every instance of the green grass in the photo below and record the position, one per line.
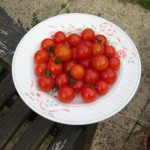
(144, 3)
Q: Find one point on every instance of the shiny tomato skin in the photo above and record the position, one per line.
(85, 63)
(74, 54)
(40, 68)
(109, 75)
(87, 34)
(54, 67)
(100, 62)
(77, 71)
(102, 87)
(83, 52)
(45, 83)
(59, 37)
(97, 49)
(66, 94)
(110, 51)
(41, 56)
(62, 79)
(87, 43)
(47, 43)
(78, 85)
(91, 76)
(67, 65)
(101, 39)
(88, 94)
(114, 62)
(64, 53)
(73, 39)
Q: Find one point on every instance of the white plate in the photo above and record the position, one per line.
(77, 112)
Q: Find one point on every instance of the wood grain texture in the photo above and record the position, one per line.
(66, 138)
(10, 35)
(34, 136)
(7, 89)
(12, 120)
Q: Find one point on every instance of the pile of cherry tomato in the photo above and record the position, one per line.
(85, 64)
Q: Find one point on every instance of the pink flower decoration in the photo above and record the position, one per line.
(122, 54)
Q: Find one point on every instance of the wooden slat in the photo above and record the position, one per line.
(10, 35)
(12, 120)
(66, 138)
(7, 89)
(34, 136)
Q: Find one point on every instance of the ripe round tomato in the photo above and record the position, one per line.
(67, 65)
(59, 37)
(83, 52)
(114, 63)
(77, 71)
(47, 44)
(102, 87)
(45, 83)
(54, 66)
(77, 85)
(88, 94)
(101, 39)
(97, 49)
(62, 79)
(66, 94)
(40, 68)
(91, 76)
(85, 63)
(64, 53)
(74, 39)
(100, 62)
(87, 34)
(109, 75)
(41, 56)
(110, 51)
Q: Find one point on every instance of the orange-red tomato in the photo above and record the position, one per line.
(77, 71)
(97, 49)
(64, 53)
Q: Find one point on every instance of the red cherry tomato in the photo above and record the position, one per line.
(88, 94)
(66, 94)
(110, 51)
(62, 79)
(67, 65)
(109, 75)
(85, 62)
(114, 63)
(55, 66)
(102, 87)
(83, 52)
(97, 49)
(87, 43)
(59, 37)
(47, 44)
(73, 39)
(45, 83)
(64, 53)
(77, 85)
(87, 34)
(41, 56)
(91, 76)
(77, 71)
(40, 68)
(100, 62)
(101, 39)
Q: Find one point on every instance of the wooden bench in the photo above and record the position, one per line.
(14, 113)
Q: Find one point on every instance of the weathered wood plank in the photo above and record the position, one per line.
(66, 138)
(10, 35)
(34, 136)
(7, 89)
(11, 121)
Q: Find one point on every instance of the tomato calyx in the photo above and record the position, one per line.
(106, 55)
(72, 81)
(55, 88)
(57, 60)
(47, 74)
(51, 48)
(99, 41)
